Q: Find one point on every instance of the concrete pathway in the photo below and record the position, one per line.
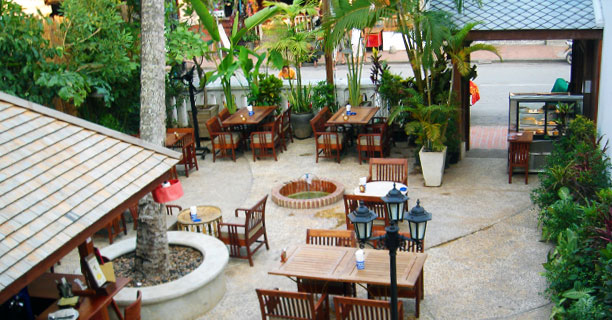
(483, 242)
(484, 254)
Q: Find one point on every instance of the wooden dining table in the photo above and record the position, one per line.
(90, 306)
(172, 138)
(330, 263)
(241, 116)
(363, 116)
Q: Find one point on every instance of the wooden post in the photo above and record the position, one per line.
(329, 61)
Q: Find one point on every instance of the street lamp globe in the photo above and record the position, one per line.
(395, 202)
(417, 222)
(363, 219)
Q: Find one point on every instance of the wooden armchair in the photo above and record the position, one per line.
(132, 312)
(275, 304)
(115, 227)
(365, 309)
(340, 238)
(371, 143)
(262, 141)
(518, 156)
(388, 169)
(221, 140)
(188, 148)
(351, 203)
(416, 293)
(337, 238)
(238, 235)
(326, 141)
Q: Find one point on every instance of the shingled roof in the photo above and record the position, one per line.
(60, 178)
(497, 15)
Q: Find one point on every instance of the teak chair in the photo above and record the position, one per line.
(275, 304)
(326, 142)
(187, 145)
(132, 312)
(339, 238)
(115, 227)
(262, 141)
(238, 235)
(351, 203)
(372, 143)
(221, 140)
(416, 293)
(365, 309)
(518, 156)
(388, 169)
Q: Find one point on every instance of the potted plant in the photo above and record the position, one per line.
(265, 92)
(293, 43)
(428, 123)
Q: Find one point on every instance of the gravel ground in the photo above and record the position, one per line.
(183, 260)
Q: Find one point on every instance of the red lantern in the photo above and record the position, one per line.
(163, 194)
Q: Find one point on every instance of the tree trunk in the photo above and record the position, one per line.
(152, 239)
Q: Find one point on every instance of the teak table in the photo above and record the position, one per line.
(260, 113)
(363, 116)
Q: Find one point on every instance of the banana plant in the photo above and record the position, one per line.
(235, 55)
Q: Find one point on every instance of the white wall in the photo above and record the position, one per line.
(31, 6)
(604, 113)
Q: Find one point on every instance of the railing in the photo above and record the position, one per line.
(215, 95)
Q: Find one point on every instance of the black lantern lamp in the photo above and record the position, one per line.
(417, 222)
(363, 219)
(395, 201)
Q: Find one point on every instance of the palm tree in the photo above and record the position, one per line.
(152, 239)
(293, 43)
(458, 53)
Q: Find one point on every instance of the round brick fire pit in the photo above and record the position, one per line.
(332, 190)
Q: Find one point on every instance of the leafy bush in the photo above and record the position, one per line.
(23, 54)
(577, 162)
(576, 210)
(324, 95)
(267, 93)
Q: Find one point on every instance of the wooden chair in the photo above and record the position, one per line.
(388, 169)
(188, 148)
(238, 235)
(371, 143)
(340, 238)
(275, 304)
(417, 293)
(326, 141)
(286, 132)
(365, 309)
(262, 141)
(351, 203)
(337, 238)
(132, 312)
(115, 227)
(518, 156)
(221, 140)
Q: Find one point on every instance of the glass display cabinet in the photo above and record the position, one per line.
(538, 113)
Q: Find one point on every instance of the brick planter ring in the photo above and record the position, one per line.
(280, 193)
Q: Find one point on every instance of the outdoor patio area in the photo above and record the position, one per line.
(484, 254)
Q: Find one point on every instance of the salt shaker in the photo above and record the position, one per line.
(360, 259)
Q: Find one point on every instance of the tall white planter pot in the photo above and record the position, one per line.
(432, 164)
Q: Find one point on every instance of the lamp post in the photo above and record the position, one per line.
(417, 223)
(395, 202)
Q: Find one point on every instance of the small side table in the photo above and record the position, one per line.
(208, 215)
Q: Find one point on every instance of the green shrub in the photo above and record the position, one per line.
(577, 162)
(324, 95)
(268, 91)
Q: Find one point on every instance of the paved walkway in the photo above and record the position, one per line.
(484, 254)
(483, 242)
(489, 137)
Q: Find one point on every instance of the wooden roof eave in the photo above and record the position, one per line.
(485, 35)
(89, 126)
(37, 270)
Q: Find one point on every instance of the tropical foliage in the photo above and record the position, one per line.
(575, 202)
(292, 43)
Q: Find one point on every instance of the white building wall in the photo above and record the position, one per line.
(604, 113)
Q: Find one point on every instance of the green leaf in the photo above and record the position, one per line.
(207, 19)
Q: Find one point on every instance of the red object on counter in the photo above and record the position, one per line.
(171, 193)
